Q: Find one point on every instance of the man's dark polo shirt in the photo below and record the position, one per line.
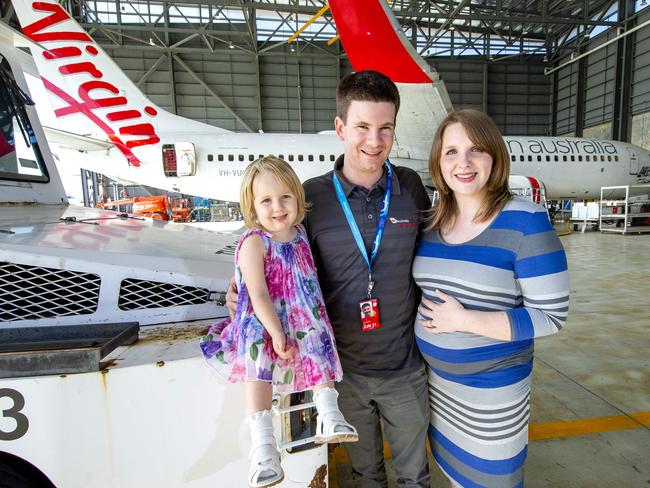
(343, 273)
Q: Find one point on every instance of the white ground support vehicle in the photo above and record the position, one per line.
(84, 402)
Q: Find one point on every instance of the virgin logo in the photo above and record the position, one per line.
(91, 95)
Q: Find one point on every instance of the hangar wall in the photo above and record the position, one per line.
(586, 89)
(278, 93)
(514, 91)
(290, 93)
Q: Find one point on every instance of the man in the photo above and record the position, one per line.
(384, 377)
(383, 374)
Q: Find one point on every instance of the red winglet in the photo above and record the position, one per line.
(535, 187)
(372, 42)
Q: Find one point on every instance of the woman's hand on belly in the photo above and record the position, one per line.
(448, 316)
(451, 316)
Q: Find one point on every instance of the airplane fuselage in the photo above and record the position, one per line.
(575, 167)
(569, 167)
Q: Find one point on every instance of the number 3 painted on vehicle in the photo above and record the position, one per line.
(22, 423)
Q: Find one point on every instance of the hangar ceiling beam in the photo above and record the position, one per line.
(494, 28)
(433, 12)
(450, 17)
(520, 25)
(161, 29)
(519, 18)
(428, 9)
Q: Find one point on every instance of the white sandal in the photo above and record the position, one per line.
(331, 426)
(265, 468)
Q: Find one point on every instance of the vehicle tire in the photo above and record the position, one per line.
(15, 477)
(11, 478)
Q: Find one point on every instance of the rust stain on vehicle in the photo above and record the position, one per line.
(189, 332)
(318, 481)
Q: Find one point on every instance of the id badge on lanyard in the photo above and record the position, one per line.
(369, 310)
(369, 306)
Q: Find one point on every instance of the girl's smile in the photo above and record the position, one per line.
(276, 207)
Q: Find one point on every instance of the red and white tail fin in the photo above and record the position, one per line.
(373, 40)
(88, 91)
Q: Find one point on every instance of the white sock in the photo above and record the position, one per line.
(327, 405)
(261, 424)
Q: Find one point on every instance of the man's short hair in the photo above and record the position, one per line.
(365, 86)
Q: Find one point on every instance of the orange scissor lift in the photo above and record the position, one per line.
(160, 207)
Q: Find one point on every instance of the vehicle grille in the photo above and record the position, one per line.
(34, 292)
(140, 294)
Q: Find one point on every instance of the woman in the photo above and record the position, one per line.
(494, 277)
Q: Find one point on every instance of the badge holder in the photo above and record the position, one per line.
(369, 310)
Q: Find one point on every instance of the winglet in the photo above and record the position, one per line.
(373, 40)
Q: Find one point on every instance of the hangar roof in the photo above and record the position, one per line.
(487, 28)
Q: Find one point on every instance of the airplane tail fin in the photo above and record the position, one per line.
(88, 91)
(373, 40)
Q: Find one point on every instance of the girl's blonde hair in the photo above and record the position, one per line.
(282, 172)
(483, 132)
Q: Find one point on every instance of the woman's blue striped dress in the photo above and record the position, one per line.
(480, 387)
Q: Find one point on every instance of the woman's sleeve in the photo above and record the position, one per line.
(541, 273)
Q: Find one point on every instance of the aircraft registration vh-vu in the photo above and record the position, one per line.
(150, 146)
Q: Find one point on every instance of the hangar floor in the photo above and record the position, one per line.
(590, 424)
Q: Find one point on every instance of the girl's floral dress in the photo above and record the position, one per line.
(241, 349)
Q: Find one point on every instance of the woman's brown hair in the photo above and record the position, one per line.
(483, 132)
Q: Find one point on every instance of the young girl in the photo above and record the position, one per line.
(281, 337)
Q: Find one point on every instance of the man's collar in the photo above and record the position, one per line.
(348, 186)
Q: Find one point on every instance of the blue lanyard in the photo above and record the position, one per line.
(381, 223)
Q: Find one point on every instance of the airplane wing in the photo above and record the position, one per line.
(76, 141)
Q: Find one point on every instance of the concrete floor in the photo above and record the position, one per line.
(590, 421)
